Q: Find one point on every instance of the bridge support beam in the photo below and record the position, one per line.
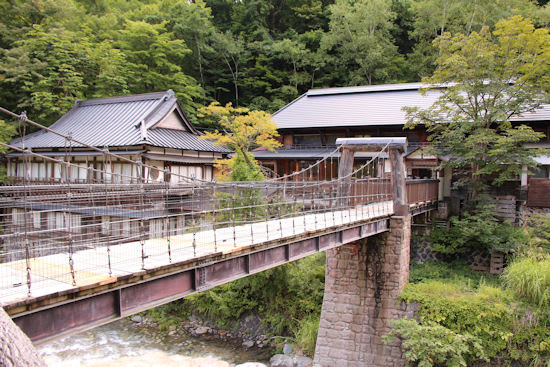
(363, 281)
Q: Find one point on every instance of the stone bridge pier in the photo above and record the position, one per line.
(363, 281)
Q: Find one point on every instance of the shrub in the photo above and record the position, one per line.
(539, 227)
(456, 272)
(306, 334)
(434, 345)
(484, 315)
(478, 229)
(505, 329)
(529, 278)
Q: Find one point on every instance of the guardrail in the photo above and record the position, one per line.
(423, 190)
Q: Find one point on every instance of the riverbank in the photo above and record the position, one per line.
(125, 343)
(268, 309)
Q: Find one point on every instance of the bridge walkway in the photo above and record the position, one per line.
(52, 274)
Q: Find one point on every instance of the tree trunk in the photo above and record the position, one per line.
(16, 349)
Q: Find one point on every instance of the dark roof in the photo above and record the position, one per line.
(179, 139)
(178, 158)
(375, 105)
(306, 154)
(122, 121)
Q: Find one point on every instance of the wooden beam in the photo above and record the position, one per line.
(398, 174)
(345, 169)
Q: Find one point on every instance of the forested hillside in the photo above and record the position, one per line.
(255, 53)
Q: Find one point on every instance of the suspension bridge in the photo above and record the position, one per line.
(80, 253)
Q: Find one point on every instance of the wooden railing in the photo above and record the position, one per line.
(422, 191)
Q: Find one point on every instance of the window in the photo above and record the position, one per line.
(331, 139)
(421, 173)
(541, 172)
(309, 140)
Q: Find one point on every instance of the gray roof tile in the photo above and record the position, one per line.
(115, 122)
(179, 139)
(376, 105)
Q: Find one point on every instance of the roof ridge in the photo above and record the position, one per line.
(367, 88)
(169, 129)
(122, 99)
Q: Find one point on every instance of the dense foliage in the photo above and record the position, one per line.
(477, 229)
(464, 320)
(255, 53)
(491, 77)
(288, 298)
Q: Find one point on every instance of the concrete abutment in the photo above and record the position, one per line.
(362, 285)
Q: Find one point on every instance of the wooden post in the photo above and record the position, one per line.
(524, 188)
(398, 174)
(345, 168)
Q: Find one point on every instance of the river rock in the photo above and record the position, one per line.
(248, 344)
(251, 364)
(281, 360)
(302, 361)
(287, 349)
(136, 319)
(251, 324)
(201, 330)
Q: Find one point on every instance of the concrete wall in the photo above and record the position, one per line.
(363, 281)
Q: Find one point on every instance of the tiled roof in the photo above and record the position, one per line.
(376, 105)
(313, 153)
(116, 122)
(179, 139)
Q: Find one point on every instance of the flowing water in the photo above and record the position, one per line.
(125, 344)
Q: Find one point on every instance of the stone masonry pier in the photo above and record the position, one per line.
(363, 281)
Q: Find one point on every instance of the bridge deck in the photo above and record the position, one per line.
(52, 274)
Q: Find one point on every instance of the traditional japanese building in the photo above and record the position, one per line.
(149, 127)
(310, 125)
(152, 127)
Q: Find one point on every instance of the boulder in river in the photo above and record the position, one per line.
(251, 364)
(302, 361)
(285, 360)
(201, 330)
(248, 344)
(136, 319)
(287, 349)
(281, 360)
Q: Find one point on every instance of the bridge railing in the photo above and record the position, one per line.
(422, 191)
(46, 229)
(68, 233)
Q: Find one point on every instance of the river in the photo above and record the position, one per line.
(126, 344)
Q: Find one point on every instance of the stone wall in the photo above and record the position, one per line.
(363, 281)
(16, 349)
(530, 210)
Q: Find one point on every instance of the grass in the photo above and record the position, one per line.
(529, 279)
(306, 334)
(456, 273)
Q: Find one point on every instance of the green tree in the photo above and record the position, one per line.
(360, 39)
(48, 67)
(487, 78)
(153, 56)
(191, 22)
(231, 49)
(432, 18)
(242, 129)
